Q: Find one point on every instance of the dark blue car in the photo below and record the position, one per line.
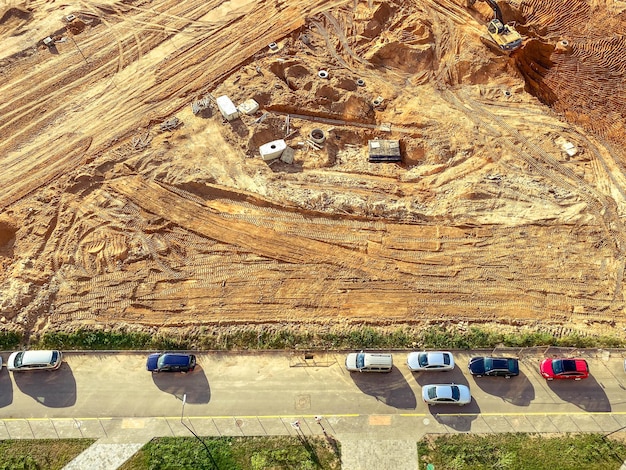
(171, 362)
(506, 367)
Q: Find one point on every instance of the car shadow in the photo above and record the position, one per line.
(454, 376)
(391, 388)
(518, 391)
(456, 417)
(193, 384)
(586, 394)
(6, 388)
(54, 388)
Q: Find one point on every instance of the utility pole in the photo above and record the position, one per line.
(208, 451)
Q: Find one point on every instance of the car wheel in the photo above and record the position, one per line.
(507, 376)
(549, 378)
(577, 378)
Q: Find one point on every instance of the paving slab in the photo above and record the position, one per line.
(44, 429)
(360, 454)
(543, 423)
(564, 423)
(100, 456)
(18, 429)
(521, 423)
(498, 424)
(587, 423)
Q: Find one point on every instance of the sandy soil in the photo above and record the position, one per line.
(107, 218)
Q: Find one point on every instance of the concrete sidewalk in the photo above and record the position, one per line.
(374, 442)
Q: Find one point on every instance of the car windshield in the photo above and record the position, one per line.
(432, 393)
(360, 360)
(456, 394)
(55, 357)
(423, 359)
(161, 361)
(488, 363)
(558, 366)
(18, 359)
(446, 359)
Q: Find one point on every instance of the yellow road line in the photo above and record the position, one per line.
(178, 417)
(535, 413)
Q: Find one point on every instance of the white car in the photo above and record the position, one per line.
(446, 394)
(34, 360)
(430, 360)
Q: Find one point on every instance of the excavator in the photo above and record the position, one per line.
(505, 36)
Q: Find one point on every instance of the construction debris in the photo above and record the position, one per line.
(170, 124)
(227, 108)
(272, 150)
(248, 107)
(384, 151)
(200, 105)
(288, 155)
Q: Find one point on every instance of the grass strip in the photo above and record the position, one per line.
(42, 454)
(237, 453)
(273, 338)
(521, 452)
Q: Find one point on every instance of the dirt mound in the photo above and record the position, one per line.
(8, 229)
(13, 14)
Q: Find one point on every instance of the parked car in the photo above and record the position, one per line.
(34, 360)
(369, 362)
(446, 394)
(506, 367)
(564, 368)
(171, 362)
(430, 360)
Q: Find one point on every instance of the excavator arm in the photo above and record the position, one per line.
(494, 6)
(504, 36)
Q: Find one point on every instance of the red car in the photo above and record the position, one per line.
(564, 368)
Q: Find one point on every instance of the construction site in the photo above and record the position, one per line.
(312, 164)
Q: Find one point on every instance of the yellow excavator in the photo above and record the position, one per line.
(505, 36)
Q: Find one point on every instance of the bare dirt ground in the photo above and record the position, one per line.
(106, 219)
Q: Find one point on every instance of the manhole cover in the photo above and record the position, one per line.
(303, 402)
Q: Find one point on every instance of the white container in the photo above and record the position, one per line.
(272, 150)
(249, 107)
(227, 108)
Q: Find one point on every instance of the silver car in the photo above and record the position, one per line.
(430, 360)
(34, 360)
(446, 394)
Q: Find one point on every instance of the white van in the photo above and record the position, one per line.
(369, 362)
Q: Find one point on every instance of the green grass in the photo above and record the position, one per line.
(43, 454)
(234, 453)
(521, 452)
(9, 340)
(264, 338)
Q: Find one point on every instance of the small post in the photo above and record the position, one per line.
(318, 420)
(74, 41)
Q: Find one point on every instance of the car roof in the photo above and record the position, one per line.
(572, 365)
(436, 357)
(176, 359)
(36, 357)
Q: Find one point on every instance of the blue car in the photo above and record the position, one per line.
(171, 362)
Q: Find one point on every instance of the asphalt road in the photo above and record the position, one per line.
(286, 384)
